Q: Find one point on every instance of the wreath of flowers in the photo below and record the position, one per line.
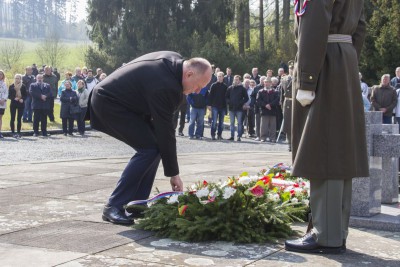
(243, 209)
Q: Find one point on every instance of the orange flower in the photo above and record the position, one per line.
(182, 209)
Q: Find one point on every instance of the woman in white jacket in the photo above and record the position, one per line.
(3, 97)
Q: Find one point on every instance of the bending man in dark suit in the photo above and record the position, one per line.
(135, 104)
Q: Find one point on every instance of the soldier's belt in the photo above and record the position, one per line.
(288, 98)
(339, 38)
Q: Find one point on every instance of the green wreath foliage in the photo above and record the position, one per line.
(244, 217)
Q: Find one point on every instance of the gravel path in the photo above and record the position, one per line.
(99, 145)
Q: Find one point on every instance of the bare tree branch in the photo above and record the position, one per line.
(10, 53)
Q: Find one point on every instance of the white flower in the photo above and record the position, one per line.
(228, 192)
(298, 190)
(214, 193)
(274, 197)
(203, 193)
(246, 179)
(305, 202)
(294, 200)
(173, 199)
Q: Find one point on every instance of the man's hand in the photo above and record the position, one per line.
(176, 183)
(268, 106)
(383, 109)
(305, 97)
(43, 97)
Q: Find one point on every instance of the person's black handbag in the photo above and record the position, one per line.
(74, 109)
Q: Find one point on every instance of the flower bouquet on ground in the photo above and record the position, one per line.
(243, 209)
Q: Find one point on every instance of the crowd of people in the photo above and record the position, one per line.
(33, 94)
(260, 106)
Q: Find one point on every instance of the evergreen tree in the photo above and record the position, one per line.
(381, 52)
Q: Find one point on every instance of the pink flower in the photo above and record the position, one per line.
(257, 191)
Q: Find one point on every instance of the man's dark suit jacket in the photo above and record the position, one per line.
(135, 104)
(228, 83)
(37, 90)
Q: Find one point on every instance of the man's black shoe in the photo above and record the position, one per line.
(231, 139)
(308, 244)
(136, 211)
(220, 137)
(114, 215)
(35, 135)
(181, 134)
(238, 139)
(213, 138)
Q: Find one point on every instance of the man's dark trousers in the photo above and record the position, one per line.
(137, 179)
(51, 111)
(40, 115)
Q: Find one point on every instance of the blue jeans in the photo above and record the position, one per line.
(217, 114)
(239, 117)
(137, 179)
(28, 109)
(196, 117)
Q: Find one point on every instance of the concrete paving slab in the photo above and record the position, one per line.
(14, 255)
(11, 183)
(28, 215)
(180, 253)
(32, 176)
(90, 180)
(75, 236)
(364, 248)
(50, 189)
(96, 196)
(82, 170)
(388, 219)
(105, 261)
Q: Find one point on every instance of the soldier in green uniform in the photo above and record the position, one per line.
(286, 99)
(328, 127)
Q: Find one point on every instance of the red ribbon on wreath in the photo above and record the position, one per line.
(300, 12)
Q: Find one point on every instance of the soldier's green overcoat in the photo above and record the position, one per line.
(328, 137)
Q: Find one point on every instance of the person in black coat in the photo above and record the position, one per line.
(68, 98)
(17, 94)
(268, 101)
(41, 97)
(236, 96)
(135, 104)
(217, 102)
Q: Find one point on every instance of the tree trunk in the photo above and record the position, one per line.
(286, 17)
(240, 26)
(247, 22)
(261, 26)
(277, 20)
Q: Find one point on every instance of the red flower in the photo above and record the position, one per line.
(257, 191)
(296, 185)
(280, 176)
(205, 183)
(265, 179)
(292, 192)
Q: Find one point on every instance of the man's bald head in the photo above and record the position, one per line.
(195, 75)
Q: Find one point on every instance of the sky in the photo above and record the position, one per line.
(81, 10)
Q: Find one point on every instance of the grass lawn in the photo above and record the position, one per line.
(74, 57)
(28, 126)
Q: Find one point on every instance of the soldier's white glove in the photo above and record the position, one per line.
(305, 97)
